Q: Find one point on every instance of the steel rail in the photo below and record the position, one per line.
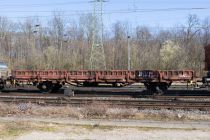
(134, 103)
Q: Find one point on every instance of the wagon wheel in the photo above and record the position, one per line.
(45, 86)
(1, 85)
(151, 87)
(56, 87)
(115, 84)
(163, 87)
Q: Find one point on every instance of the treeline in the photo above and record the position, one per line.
(58, 44)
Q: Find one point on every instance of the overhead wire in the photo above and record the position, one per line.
(116, 11)
(68, 13)
(61, 3)
(79, 12)
(43, 4)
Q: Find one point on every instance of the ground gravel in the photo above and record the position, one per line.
(96, 129)
(118, 134)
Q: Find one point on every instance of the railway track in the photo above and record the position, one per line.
(130, 96)
(120, 102)
(132, 90)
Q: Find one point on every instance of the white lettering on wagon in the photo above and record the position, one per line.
(183, 76)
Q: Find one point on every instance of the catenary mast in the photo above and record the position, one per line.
(97, 58)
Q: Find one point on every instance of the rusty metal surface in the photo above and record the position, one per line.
(113, 76)
(165, 75)
(177, 75)
(42, 75)
(207, 57)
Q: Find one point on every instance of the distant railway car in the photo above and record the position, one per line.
(207, 57)
(206, 79)
(4, 74)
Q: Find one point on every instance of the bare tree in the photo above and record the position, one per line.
(64, 43)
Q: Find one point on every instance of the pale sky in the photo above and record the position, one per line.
(162, 13)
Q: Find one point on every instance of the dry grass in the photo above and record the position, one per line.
(13, 129)
(102, 110)
(66, 111)
(95, 109)
(99, 110)
(122, 113)
(7, 109)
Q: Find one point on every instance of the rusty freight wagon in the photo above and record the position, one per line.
(207, 57)
(206, 79)
(52, 80)
(161, 80)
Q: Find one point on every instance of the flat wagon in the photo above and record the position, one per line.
(52, 80)
(161, 80)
